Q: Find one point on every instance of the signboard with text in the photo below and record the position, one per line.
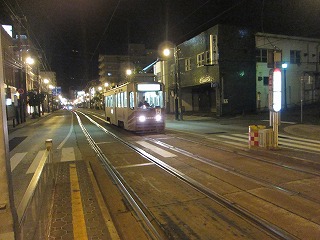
(56, 91)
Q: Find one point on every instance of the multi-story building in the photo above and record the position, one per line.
(113, 68)
(225, 70)
(21, 67)
(299, 62)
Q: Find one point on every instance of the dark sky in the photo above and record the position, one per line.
(73, 32)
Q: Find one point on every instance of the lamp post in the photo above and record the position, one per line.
(177, 92)
(46, 82)
(284, 67)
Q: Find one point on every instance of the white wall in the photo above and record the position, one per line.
(309, 57)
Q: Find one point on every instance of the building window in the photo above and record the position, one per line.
(187, 64)
(208, 59)
(295, 57)
(262, 55)
(265, 81)
(200, 59)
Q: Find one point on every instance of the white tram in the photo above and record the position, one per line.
(136, 106)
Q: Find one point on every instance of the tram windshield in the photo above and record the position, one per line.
(149, 96)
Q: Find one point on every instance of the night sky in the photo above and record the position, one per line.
(72, 33)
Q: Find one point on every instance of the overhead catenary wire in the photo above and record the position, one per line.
(28, 29)
(106, 29)
(214, 18)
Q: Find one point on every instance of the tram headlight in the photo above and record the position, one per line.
(158, 118)
(142, 118)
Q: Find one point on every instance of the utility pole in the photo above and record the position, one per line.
(21, 78)
(7, 207)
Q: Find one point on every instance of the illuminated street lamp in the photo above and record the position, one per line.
(177, 93)
(30, 60)
(129, 72)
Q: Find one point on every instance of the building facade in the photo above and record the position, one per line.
(214, 72)
(225, 71)
(299, 63)
(113, 68)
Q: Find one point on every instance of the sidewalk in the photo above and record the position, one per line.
(290, 118)
(29, 120)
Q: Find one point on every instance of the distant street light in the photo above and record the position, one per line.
(29, 60)
(166, 52)
(177, 95)
(128, 72)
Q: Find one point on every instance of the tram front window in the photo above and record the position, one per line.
(150, 99)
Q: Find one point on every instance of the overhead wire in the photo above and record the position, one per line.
(105, 30)
(176, 25)
(28, 29)
(214, 18)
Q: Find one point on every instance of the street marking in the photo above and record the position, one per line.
(78, 221)
(284, 140)
(299, 139)
(67, 154)
(69, 134)
(16, 159)
(35, 162)
(155, 149)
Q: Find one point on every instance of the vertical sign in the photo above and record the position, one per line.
(213, 49)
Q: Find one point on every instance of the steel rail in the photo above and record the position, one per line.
(236, 172)
(267, 227)
(112, 172)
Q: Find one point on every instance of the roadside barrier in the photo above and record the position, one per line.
(34, 210)
(254, 135)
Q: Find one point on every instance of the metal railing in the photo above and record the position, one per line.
(34, 210)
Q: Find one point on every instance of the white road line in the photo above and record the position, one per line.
(67, 137)
(242, 139)
(16, 159)
(67, 154)
(284, 140)
(35, 162)
(156, 149)
(298, 138)
(299, 146)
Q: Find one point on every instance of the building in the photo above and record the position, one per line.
(22, 66)
(300, 71)
(113, 68)
(225, 70)
(214, 72)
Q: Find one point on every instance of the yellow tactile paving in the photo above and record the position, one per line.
(79, 225)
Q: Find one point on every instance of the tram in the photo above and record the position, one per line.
(136, 106)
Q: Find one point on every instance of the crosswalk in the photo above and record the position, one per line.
(238, 140)
(285, 141)
(67, 154)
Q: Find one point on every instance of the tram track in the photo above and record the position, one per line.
(126, 192)
(242, 173)
(267, 227)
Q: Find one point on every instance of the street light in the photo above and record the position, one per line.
(177, 95)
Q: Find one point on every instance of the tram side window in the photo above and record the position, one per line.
(109, 101)
(131, 100)
(119, 100)
(125, 99)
